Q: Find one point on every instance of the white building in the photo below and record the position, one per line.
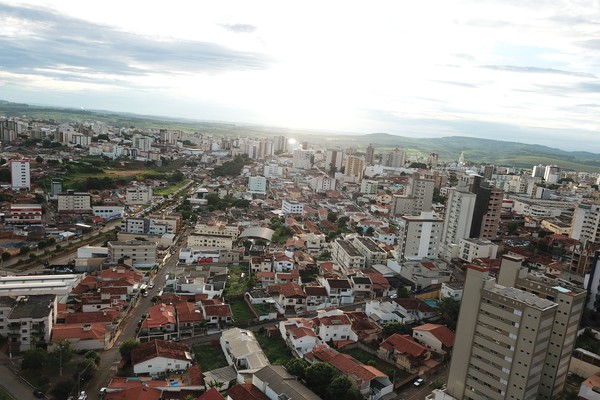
(108, 212)
(419, 236)
(257, 185)
(457, 221)
(141, 254)
(272, 170)
(28, 320)
(20, 175)
(25, 214)
(470, 249)
(299, 335)
(138, 195)
(159, 356)
(74, 202)
(292, 207)
(322, 183)
(303, 159)
(243, 352)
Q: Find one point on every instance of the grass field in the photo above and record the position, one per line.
(274, 348)
(370, 359)
(210, 357)
(165, 191)
(240, 310)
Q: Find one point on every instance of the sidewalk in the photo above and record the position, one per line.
(11, 381)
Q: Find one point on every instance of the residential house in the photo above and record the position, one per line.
(299, 335)
(383, 312)
(278, 384)
(289, 298)
(216, 313)
(453, 289)
(368, 380)
(316, 297)
(365, 328)
(418, 309)
(435, 337)
(404, 352)
(380, 286)
(190, 321)
(333, 326)
(245, 391)
(243, 352)
(261, 264)
(92, 336)
(362, 286)
(160, 323)
(159, 356)
(339, 290)
(282, 262)
(425, 272)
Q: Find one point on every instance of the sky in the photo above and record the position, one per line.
(514, 70)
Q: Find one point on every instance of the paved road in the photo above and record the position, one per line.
(14, 385)
(411, 392)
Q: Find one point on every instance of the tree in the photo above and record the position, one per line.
(127, 347)
(87, 368)
(6, 256)
(61, 354)
(34, 359)
(319, 376)
(297, 367)
(403, 292)
(39, 160)
(449, 309)
(94, 356)
(332, 216)
(24, 249)
(391, 328)
(62, 389)
(512, 227)
(338, 388)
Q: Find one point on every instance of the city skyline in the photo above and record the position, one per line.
(513, 71)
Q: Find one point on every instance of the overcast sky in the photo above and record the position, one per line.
(518, 70)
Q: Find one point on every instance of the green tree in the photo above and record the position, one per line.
(94, 356)
(87, 368)
(449, 309)
(338, 387)
(512, 228)
(318, 377)
(332, 216)
(34, 359)
(297, 367)
(62, 389)
(403, 292)
(62, 353)
(24, 249)
(390, 328)
(6, 256)
(39, 160)
(127, 347)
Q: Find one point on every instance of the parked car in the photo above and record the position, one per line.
(39, 394)
(419, 382)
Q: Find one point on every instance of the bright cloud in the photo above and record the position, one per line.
(503, 69)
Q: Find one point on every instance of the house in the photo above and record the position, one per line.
(160, 323)
(190, 321)
(589, 388)
(289, 298)
(416, 308)
(362, 287)
(299, 335)
(261, 264)
(316, 297)
(243, 352)
(159, 356)
(379, 284)
(333, 326)
(134, 393)
(92, 336)
(245, 391)
(404, 352)
(438, 338)
(453, 289)
(216, 313)
(365, 328)
(425, 272)
(211, 394)
(278, 384)
(383, 312)
(282, 262)
(339, 290)
(368, 380)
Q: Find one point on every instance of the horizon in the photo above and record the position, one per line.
(501, 70)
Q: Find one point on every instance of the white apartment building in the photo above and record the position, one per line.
(25, 214)
(470, 249)
(368, 186)
(138, 195)
(257, 185)
(27, 320)
(302, 159)
(204, 242)
(292, 207)
(585, 225)
(20, 175)
(322, 183)
(143, 226)
(457, 221)
(141, 253)
(74, 202)
(419, 236)
(272, 170)
(218, 229)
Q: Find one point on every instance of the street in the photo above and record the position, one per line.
(411, 392)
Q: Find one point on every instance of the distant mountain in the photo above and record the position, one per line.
(476, 150)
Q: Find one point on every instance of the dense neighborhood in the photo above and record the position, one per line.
(229, 267)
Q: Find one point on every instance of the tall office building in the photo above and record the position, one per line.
(585, 224)
(515, 335)
(370, 156)
(334, 160)
(20, 175)
(552, 174)
(538, 171)
(418, 198)
(488, 207)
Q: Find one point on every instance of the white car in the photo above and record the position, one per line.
(151, 286)
(419, 382)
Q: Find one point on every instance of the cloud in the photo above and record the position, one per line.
(536, 70)
(51, 41)
(239, 28)
(454, 83)
(590, 44)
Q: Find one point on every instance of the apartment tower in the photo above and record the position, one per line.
(515, 335)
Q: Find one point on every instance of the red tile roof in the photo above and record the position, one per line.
(160, 348)
(211, 394)
(246, 391)
(292, 290)
(404, 344)
(135, 393)
(346, 363)
(441, 333)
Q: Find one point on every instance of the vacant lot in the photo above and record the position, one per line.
(274, 348)
(210, 356)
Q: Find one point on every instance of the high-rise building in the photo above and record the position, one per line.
(552, 173)
(355, 167)
(20, 175)
(457, 220)
(419, 236)
(334, 160)
(303, 159)
(418, 198)
(280, 144)
(538, 171)
(585, 224)
(257, 184)
(370, 156)
(395, 158)
(488, 207)
(515, 335)
(487, 171)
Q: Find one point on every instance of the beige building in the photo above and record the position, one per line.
(219, 229)
(74, 202)
(371, 250)
(141, 254)
(470, 249)
(346, 255)
(418, 198)
(515, 335)
(204, 242)
(138, 195)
